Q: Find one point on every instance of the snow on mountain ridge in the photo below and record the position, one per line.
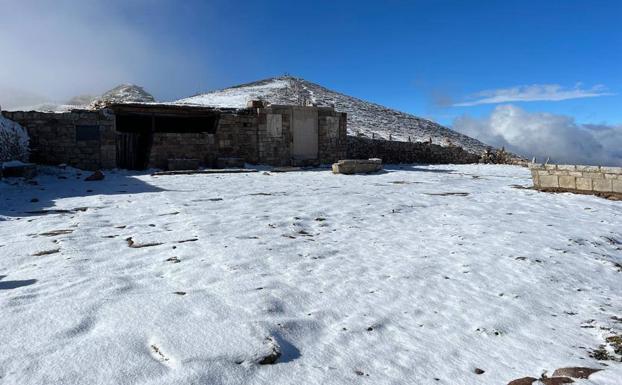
(124, 93)
(364, 118)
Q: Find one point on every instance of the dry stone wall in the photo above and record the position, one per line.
(80, 138)
(407, 152)
(333, 136)
(576, 178)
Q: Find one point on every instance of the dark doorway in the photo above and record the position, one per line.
(134, 138)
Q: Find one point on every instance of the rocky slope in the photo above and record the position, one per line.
(364, 118)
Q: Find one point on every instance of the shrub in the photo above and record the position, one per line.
(13, 141)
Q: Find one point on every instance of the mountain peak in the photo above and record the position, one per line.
(125, 93)
(364, 118)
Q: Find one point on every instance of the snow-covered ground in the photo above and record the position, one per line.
(378, 279)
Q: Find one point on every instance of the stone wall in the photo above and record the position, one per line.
(583, 179)
(257, 135)
(167, 146)
(80, 138)
(235, 136)
(333, 135)
(275, 135)
(87, 139)
(407, 152)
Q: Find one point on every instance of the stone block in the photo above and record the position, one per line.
(550, 166)
(568, 182)
(549, 181)
(566, 167)
(612, 176)
(594, 175)
(543, 172)
(183, 164)
(230, 162)
(611, 170)
(602, 185)
(357, 166)
(616, 186)
(584, 184)
(575, 173)
(588, 168)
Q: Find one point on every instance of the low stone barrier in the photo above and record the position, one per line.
(391, 151)
(598, 180)
(357, 166)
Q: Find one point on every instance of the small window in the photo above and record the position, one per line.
(87, 133)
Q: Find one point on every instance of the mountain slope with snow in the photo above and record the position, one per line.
(364, 118)
(124, 93)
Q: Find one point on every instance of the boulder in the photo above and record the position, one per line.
(523, 381)
(97, 175)
(357, 166)
(575, 372)
(556, 380)
(274, 352)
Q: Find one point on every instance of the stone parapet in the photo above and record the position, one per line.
(407, 152)
(577, 178)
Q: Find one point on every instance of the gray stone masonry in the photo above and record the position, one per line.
(53, 138)
(575, 178)
(357, 166)
(407, 152)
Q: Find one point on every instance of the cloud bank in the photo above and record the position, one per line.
(531, 93)
(51, 51)
(546, 135)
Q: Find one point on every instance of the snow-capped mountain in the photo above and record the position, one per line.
(125, 93)
(364, 118)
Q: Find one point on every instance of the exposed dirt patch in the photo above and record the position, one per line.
(54, 233)
(188, 240)
(46, 252)
(446, 194)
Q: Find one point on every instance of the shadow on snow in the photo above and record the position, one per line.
(20, 198)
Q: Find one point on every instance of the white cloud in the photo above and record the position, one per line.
(534, 92)
(546, 135)
(54, 50)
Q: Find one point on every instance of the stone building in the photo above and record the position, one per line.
(168, 136)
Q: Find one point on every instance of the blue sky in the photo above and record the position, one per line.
(425, 57)
(416, 56)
